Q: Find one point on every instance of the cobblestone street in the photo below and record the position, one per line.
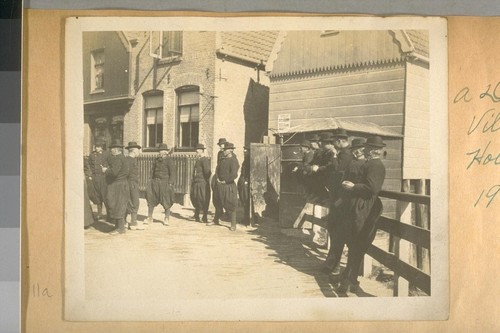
(189, 260)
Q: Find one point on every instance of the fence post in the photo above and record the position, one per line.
(402, 248)
(422, 220)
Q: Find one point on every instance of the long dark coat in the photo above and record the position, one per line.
(133, 182)
(160, 188)
(95, 163)
(225, 191)
(200, 185)
(118, 194)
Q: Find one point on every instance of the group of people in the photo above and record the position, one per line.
(112, 181)
(348, 177)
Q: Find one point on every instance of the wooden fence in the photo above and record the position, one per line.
(409, 249)
(183, 166)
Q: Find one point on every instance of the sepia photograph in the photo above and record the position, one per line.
(256, 168)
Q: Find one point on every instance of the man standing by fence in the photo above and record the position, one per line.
(225, 191)
(365, 211)
(133, 182)
(244, 190)
(160, 188)
(200, 186)
(118, 194)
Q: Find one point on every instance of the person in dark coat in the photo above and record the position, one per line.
(303, 169)
(133, 182)
(244, 189)
(220, 153)
(118, 194)
(225, 191)
(160, 189)
(322, 166)
(200, 185)
(362, 210)
(342, 158)
(97, 160)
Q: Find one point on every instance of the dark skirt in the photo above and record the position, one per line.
(158, 192)
(225, 196)
(133, 203)
(200, 195)
(118, 197)
(99, 194)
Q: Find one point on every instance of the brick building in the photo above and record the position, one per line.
(178, 88)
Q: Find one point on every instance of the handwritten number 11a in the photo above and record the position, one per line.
(491, 194)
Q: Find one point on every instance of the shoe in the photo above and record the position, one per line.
(116, 232)
(147, 221)
(232, 228)
(136, 227)
(165, 222)
(213, 223)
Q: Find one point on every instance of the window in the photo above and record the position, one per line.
(97, 71)
(153, 109)
(189, 116)
(165, 44)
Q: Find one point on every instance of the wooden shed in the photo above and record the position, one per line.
(368, 82)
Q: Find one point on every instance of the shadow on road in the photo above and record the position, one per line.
(296, 252)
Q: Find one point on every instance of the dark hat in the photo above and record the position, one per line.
(116, 144)
(357, 143)
(163, 146)
(326, 137)
(200, 146)
(229, 145)
(340, 133)
(314, 138)
(374, 141)
(133, 144)
(306, 143)
(221, 141)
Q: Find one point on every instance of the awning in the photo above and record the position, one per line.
(315, 125)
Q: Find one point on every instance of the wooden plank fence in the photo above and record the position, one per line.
(409, 255)
(183, 165)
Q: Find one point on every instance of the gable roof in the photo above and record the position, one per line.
(302, 52)
(251, 46)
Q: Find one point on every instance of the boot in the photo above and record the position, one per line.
(120, 227)
(134, 225)
(233, 221)
(197, 215)
(99, 211)
(216, 218)
(167, 217)
(149, 220)
(205, 218)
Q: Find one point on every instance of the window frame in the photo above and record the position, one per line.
(177, 56)
(145, 118)
(94, 89)
(179, 92)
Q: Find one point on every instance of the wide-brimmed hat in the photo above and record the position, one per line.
(229, 145)
(221, 141)
(326, 137)
(305, 143)
(375, 141)
(133, 144)
(340, 133)
(314, 138)
(163, 146)
(200, 146)
(116, 144)
(357, 143)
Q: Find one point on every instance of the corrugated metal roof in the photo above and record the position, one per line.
(255, 46)
(313, 125)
